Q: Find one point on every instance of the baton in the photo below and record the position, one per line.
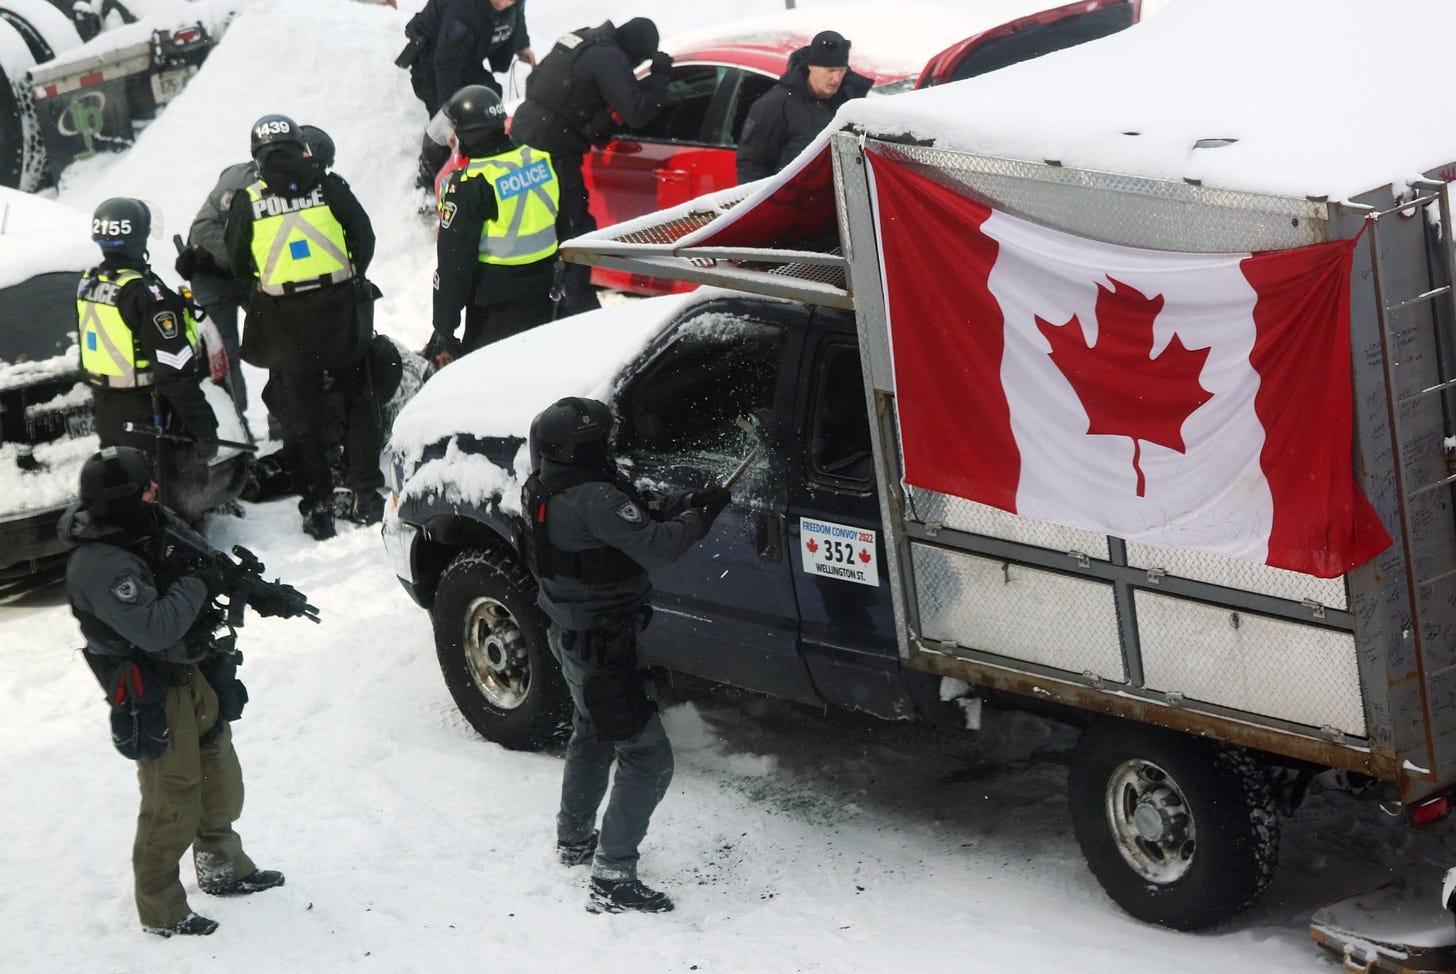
(131, 427)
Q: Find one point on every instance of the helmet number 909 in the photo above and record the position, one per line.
(275, 127)
(110, 228)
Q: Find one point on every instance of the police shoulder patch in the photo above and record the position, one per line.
(447, 214)
(166, 323)
(630, 513)
(125, 589)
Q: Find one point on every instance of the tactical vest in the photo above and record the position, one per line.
(554, 84)
(594, 566)
(527, 196)
(298, 243)
(110, 356)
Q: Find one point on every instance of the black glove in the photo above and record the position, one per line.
(186, 262)
(712, 500)
(203, 450)
(661, 62)
(214, 580)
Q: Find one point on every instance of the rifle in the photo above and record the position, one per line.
(161, 434)
(246, 584)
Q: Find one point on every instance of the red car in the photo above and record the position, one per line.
(688, 149)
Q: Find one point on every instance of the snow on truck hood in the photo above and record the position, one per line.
(1323, 97)
(39, 236)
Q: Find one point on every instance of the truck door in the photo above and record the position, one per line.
(835, 543)
(725, 610)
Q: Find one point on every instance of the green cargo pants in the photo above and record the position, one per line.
(191, 796)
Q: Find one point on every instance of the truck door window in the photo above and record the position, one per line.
(690, 92)
(839, 426)
(687, 400)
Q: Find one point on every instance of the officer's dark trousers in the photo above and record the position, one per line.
(221, 297)
(191, 796)
(300, 400)
(644, 770)
(574, 218)
(486, 325)
(182, 480)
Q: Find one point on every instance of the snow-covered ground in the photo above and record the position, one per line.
(792, 841)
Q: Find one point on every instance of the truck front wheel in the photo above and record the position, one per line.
(491, 642)
(1179, 831)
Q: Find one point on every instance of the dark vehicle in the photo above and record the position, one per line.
(46, 424)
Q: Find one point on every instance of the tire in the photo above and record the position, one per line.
(1179, 831)
(17, 127)
(490, 638)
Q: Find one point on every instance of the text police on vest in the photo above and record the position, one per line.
(278, 205)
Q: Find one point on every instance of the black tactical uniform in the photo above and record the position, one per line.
(310, 330)
(142, 611)
(790, 115)
(576, 98)
(593, 540)
(462, 42)
(139, 353)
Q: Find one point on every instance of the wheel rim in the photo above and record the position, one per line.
(496, 654)
(1151, 822)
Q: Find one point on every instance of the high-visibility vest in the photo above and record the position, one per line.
(298, 243)
(527, 196)
(109, 353)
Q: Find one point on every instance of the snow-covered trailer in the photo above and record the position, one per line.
(1300, 672)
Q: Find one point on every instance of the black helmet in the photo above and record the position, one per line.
(120, 226)
(476, 114)
(113, 482)
(573, 431)
(274, 130)
(320, 146)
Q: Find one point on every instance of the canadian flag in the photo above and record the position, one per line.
(1189, 400)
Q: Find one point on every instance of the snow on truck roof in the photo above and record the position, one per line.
(1297, 98)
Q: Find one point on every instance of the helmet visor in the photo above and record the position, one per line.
(441, 130)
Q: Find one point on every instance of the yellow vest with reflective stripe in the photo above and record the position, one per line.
(297, 241)
(527, 196)
(109, 354)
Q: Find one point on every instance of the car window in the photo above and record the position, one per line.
(751, 87)
(1038, 39)
(839, 426)
(718, 368)
(690, 92)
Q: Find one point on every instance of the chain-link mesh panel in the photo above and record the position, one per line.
(1252, 663)
(930, 507)
(1018, 612)
(1237, 573)
(1127, 210)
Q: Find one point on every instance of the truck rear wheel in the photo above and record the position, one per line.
(1179, 831)
(490, 638)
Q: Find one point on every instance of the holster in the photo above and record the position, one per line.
(411, 52)
(137, 692)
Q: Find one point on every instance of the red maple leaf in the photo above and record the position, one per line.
(811, 546)
(864, 555)
(1125, 390)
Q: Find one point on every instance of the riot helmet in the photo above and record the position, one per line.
(271, 130)
(476, 116)
(113, 485)
(120, 226)
(573, 431)
(320, 146)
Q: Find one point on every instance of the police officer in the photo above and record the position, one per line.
(305, 242)
(496, 246)
(796, 109)
(575, 99)
(454, 43)
(142, 611)
(140, 354)
(593, 540)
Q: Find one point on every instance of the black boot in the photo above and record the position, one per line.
(619, 895)
(255, 882)
(577, 853)
(368, 507)
(191, 925)
(318, 520)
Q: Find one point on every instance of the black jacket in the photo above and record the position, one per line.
(155, 315)
(312, 330)
(600, 514)
(579, 95)
(459, 38)
(460, 277)
(789, 117)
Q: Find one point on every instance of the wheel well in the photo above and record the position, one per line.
(443, 539)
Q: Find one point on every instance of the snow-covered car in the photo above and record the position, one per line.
(46, 422)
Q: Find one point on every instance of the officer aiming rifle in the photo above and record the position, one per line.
(244, 585)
